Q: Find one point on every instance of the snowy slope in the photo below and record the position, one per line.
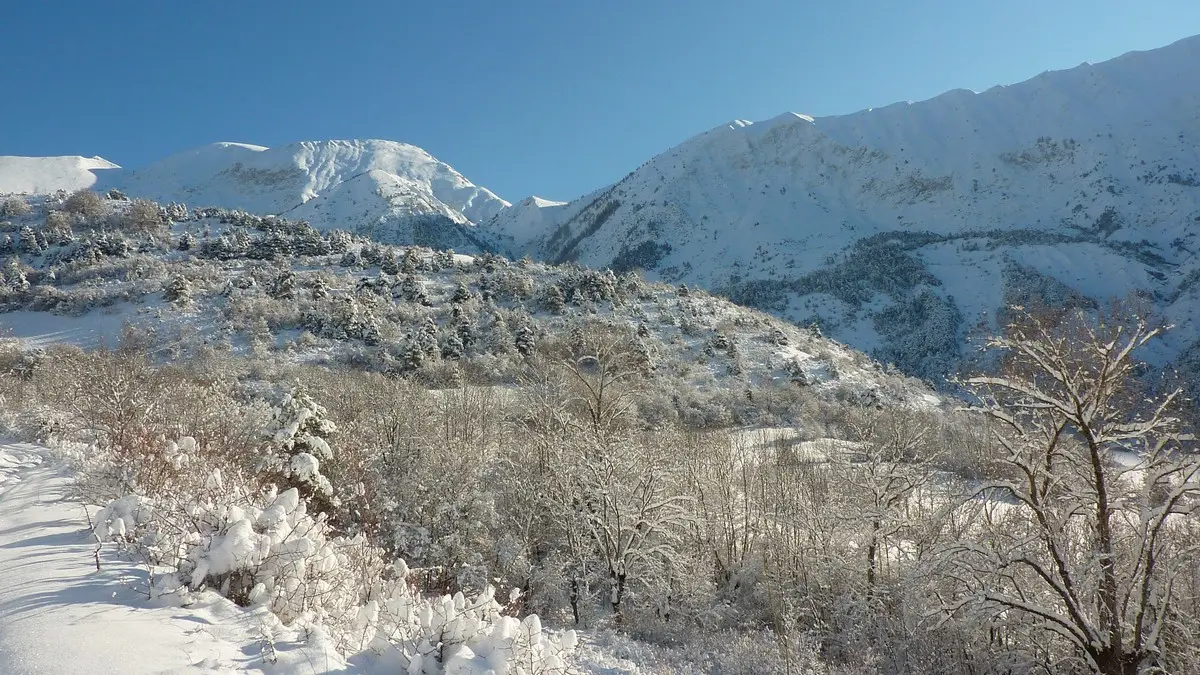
(59, 614)
(1082, 181)
(43, 175)
(391, 190)
(358, 185)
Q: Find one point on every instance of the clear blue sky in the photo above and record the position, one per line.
(522, 96)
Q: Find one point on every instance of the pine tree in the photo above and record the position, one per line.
(187, 241)
(319, 289)
(284, 286)
(411, 262)
(465, 328)
(367, 328)
(462, 294)
(371, 255)
(14, 274)
(452, 345)
(178, 289)
(445, 259)
(554, 300)
(389, 265)
(499, 337)
(298, 444)
(525, 338)
(426, 338)
(29, 241)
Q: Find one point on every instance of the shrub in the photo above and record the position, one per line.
(142, 216)
(14, 207)
(85, 203)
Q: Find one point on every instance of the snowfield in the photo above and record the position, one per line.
(43, 175)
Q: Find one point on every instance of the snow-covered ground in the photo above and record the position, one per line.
(60, 615)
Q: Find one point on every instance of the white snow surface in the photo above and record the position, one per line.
(59, 615)
(44, 175)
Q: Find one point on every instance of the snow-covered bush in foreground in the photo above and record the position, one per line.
(263, 548)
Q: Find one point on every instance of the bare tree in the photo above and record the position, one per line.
(1078, 554)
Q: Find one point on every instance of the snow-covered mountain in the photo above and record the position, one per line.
(43, 175)
(393, 191)
(898, 228)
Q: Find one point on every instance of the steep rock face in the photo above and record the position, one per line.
(900, 228)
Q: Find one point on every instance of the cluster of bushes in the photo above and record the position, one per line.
(435, 523)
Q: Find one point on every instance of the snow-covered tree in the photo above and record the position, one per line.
(1082, 569)
(284, 285)
(29, 241)
(462, 294)
(411, 262)
(554, 301)
(178, 289)
(319, 289)
(85, 203)
(298, 445)
(15, 276)
(390, 265)
(187, 241)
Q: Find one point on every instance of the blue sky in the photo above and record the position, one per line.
(527, 96)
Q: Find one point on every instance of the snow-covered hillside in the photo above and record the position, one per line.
(392, 191)
(897, 229)
(43, 175)
(901, 227)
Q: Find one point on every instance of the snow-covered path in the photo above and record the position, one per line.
(59, 615)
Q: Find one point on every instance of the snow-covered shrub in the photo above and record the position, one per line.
(14, 207)
(85, 203)
(217, 531)
(140, 216)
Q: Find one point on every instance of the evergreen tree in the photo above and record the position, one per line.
(525, 338)
(444, 259)
(411, 261)
(298, 445)
(187, 241)
(462, 294)
(319, 289)
(452, 345)
(499, 338)
(178, 289)
(389, 265)
(465, 328)
(14, 274)
(284, 286)
(554, 301)
(29, 241)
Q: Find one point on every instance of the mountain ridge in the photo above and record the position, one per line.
(880, 223)
(1079, 183)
